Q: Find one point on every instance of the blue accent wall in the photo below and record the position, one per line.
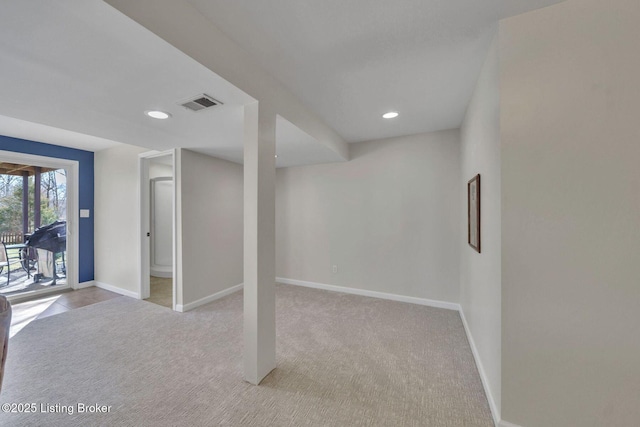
(85, 159)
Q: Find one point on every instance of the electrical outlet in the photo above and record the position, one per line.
(334, 269)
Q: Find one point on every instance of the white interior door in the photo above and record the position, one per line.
(161, 227)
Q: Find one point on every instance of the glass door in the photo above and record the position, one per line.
(33, 228)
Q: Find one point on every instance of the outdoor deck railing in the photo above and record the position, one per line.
(11, 238)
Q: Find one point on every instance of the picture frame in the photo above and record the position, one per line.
(473, 213)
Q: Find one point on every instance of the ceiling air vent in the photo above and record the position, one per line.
(201, 102)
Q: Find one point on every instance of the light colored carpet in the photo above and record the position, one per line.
(343, 360)
(161, 291)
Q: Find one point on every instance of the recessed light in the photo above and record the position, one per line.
(158, 114)
(390, 115)
(276, 156)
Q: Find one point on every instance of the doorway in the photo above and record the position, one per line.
(38, 224)
(157, 217)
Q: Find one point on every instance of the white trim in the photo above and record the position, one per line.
(73, 276)
(155, 153)
(373, 294)
(202, 301)
(483, 375)
(143, 227)
(177, 227)
(37, 160)
(117, 290)
(504, 423)
(86, 284)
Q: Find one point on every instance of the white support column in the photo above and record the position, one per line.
(259, 242)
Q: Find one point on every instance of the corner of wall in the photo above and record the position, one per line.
(480, 273)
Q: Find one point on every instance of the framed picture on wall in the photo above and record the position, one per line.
(473, 212)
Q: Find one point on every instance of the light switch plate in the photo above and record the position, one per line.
(85, 213)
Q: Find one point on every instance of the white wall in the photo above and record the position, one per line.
(480, 273)
(570, 89)
(159, 170)
(209, 222)
(211, 214)
(117, 260)
(389, 218)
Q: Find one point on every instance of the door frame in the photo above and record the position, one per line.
(72, 167)
(144, 222)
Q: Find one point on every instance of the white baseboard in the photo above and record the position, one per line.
(373, 294)
(483, 376)
(86, 284)
(117, 290)
(507, 424)
(202, 301)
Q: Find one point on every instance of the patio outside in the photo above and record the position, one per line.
(31, 198)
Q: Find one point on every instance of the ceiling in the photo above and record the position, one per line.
(351, 61)
(79, 73)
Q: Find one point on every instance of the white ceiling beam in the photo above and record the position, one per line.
(184, 27)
